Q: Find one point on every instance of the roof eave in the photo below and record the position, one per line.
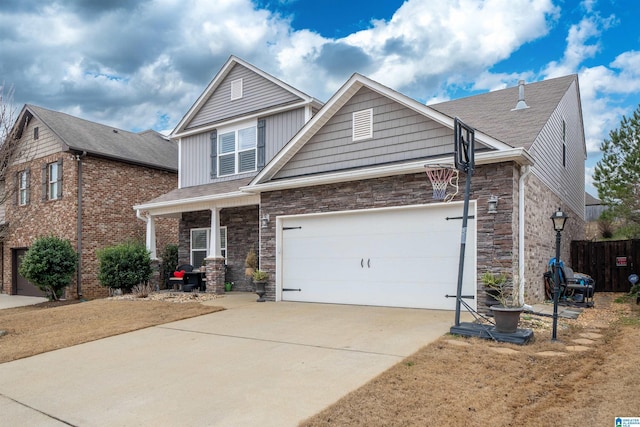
(517, 155)
(121, 159)
(235, 198)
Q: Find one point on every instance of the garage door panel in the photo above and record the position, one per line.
(392, 257)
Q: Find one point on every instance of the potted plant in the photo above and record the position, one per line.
(508, 308)
(260, 279)
(250, 263)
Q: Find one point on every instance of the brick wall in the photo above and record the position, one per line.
(497, 234)
(39, 217)
(110, 189)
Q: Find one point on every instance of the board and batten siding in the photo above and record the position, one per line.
(280, 128)
(399, 134)
(195, 160)
(259, 93)
(566, 181)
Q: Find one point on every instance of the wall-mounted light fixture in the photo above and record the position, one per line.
(264, 221)
(493, 204)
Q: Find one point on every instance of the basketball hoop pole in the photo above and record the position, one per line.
(464, 161)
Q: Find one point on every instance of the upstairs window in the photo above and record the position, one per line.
(23, 187)
(36, 133)
(52, 181)
(236, 89)
(237, 151)
(362, 124)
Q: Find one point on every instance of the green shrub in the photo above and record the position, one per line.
(124, 266)
(169, 261)
(49, 264)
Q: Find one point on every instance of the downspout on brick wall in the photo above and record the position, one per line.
(79, 224)
(524, 173)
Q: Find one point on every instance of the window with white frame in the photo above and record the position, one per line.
(52, 180)
(200, 241)
(23, 187)
(237, 150)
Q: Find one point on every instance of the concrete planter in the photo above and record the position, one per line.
(507, 318)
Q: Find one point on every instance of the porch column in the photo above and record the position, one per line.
(214, 244)
(151, 236)
(215, 268)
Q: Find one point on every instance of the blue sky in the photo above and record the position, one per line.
(141, 64)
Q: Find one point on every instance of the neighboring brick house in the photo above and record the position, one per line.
(338, 203)
(78, 180)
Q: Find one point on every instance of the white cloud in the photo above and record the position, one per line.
(144, 63)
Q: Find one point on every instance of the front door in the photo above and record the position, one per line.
(21, 285)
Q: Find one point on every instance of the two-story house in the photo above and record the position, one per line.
(77, 180)
(336, 200)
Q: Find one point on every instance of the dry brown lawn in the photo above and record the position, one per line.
(454, 381)
(49, 326)
(474, 382)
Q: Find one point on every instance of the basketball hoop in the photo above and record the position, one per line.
(442, 176)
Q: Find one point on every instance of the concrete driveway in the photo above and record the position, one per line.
(262, 364)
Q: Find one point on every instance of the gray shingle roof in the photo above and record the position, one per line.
(590, 200)
(148, 148)
(205, 190)
(491, 113)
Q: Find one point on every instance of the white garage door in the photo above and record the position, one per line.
(400, 257)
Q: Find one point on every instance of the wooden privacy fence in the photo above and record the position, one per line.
(609, 263)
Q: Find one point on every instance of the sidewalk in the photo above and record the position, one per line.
(10, 301)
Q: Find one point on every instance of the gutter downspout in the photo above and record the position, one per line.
(524, 173)
(79, 225)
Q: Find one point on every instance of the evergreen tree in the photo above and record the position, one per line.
(617, 174)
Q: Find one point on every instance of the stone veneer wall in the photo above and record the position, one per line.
(110, 189)
(540, 238)
(242, 234)
(496, 233)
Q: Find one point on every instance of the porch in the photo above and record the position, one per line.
(216, 231)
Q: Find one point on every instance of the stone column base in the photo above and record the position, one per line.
(215, 275)
(155, 278)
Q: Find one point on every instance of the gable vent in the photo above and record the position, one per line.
(362, 124)
(236, 89)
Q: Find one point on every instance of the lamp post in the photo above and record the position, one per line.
(559, 218)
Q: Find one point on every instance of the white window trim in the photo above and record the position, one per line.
(236, 89)
(22, 179)
(223, 243)
(52, 181)
(244, 125)
(362, 124)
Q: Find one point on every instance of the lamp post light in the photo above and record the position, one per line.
(559, 219)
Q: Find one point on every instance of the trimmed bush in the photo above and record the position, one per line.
(169, 261)
(49, 264)
(124, 266)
